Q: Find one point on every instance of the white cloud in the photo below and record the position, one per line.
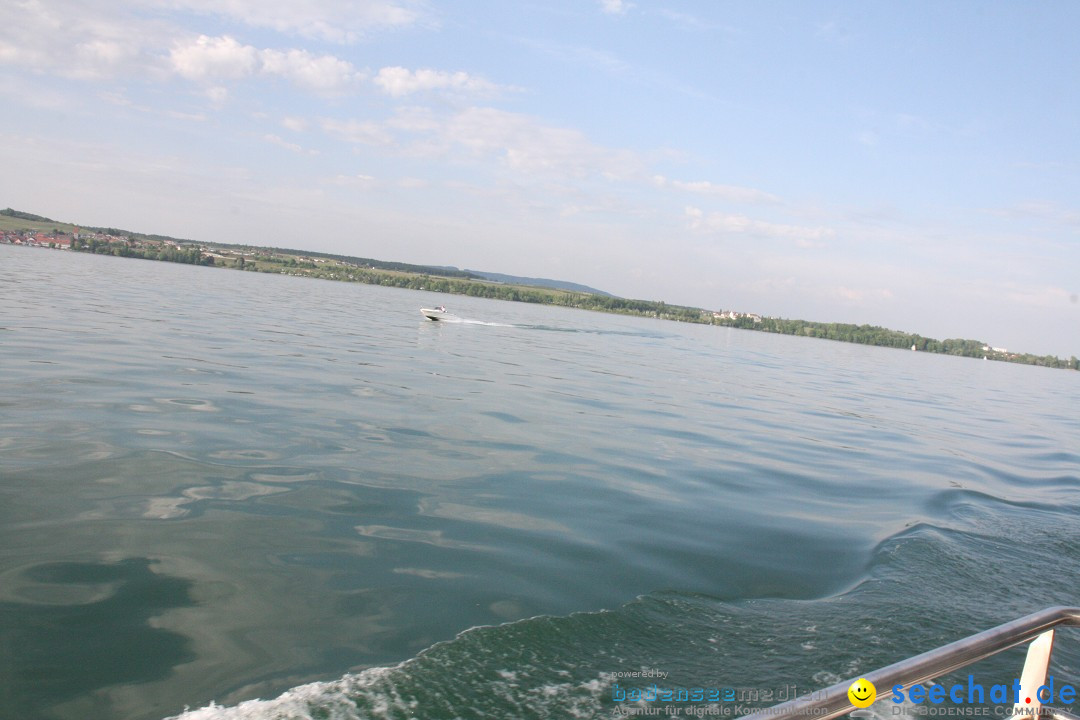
(484, 135)
(354, 131)
(415, 118)
(209, 57)
(18, 91)
(858, 297)
(295, 124)
(95, 39)
(692, 22)
(527, 145)
(729, 224)
(190, 117)
(224, 58)
(280, 142)
(615, 7)
(580, 55)
(399, 81)
(908, 121)
(733, 193)
(519, 142)
(218, 95)
(320, 73)
(76, 39)
(358, 180)
(340, 21)
(1039, 296)
(1040, 210)
(101, 57)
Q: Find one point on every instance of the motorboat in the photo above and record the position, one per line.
(436, 313)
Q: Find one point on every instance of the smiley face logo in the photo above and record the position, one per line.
(862, 693)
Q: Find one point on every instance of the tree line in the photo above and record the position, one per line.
(270, 255)
(883, 337)
(165, 253)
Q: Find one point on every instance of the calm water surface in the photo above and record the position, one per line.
(219, 486)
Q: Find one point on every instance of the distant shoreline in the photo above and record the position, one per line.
(17, 228)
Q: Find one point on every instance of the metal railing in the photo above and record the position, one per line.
(1037, 628)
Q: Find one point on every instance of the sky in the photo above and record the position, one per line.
(914, 165)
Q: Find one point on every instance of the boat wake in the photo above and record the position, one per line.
(466, 321)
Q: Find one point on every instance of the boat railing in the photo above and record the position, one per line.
(1036, 629)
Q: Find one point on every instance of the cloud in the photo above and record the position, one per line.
(526, 145)
(295, 124)
(1040, 210)
(100, 58)
(732, 193)
(217, 95)
(868, 138)
(224, 58)
(217, 58)
(399, 81)
(832, 31)
(106, 39)
(859, 297)
(907, 121)
(291, 147)
(515, 141)
(355, 131)
(728, 224)
(339, 21)
(615, 7)
(320, 73)
(77, 40)
(691, 21)
(359, 180)
(190, 117)
(27, 93)
(580, 56)
(1039, 296)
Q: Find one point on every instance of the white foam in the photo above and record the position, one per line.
(375, 693)
(481, 322)
(372, 695)
(331, 699)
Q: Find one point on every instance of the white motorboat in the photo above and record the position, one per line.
(436, 313)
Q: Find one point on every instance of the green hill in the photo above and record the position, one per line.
(15, 220)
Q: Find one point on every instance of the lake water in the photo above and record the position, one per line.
(220, 486)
